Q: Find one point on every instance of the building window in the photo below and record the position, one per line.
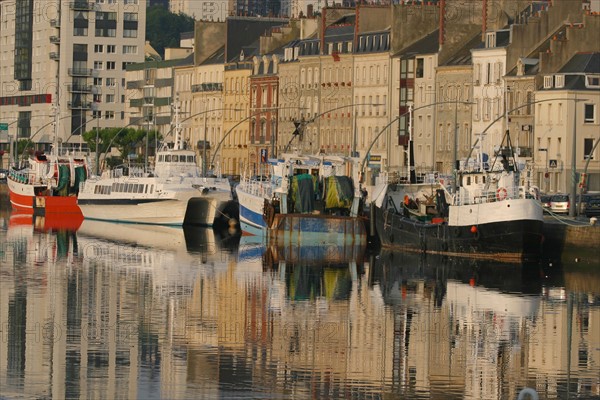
(420, 68)
(111, 48)
(548, 82)
(588, 145)
(129, 49)
(98, 48)
(97, 81)
(110, 65)
(106, 32)
(130, 16)
(98, 65)
(589, 114)
(109, 115)
(593, 81)
(110, 82)
(80, 31)
(130, 33)
(559, 81)
(110, 98)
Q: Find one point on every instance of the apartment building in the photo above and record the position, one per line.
(66, 61)
(567, 124)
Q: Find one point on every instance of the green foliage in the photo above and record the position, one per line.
(126, 140)
(25, 147)
(163, 28)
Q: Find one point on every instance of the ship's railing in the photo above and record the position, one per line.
(129, 170)
(474, 196)
(21, 176)
(256, 187)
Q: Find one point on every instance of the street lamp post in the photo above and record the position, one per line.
(545, 150)
(204, 148)
(573, 202)
(97, 144)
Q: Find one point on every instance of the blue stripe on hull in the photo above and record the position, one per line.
(251, 218)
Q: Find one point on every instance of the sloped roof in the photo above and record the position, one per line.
(218, 57)
(464, 55)
(583, 62)
(428, 44)
(243, 32)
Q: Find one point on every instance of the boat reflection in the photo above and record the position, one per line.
(156, 312)
(493, 326)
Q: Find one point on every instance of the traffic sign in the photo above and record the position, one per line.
(3, 126)
(553, 163)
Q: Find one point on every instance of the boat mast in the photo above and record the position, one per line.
(177, 145)
(412, 177)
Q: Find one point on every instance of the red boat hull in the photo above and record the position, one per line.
(42, 205)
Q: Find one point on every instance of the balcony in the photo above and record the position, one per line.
(82, 6)
(80, 71)
(207, 87)
(79, 88)
(135, 84)
(164, 82)
(78, 105)
(55, 56)
(55, 23)
(136, 102)
(55, 39)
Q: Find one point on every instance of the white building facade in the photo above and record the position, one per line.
(66, 59)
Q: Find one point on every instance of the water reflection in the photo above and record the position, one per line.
(150, 312)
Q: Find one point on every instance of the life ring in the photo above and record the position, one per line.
(501, 194)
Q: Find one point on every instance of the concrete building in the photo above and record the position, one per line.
(214, 10)
(233, 154)
(371, 101)
(150, 93)
(66, 59)
(454, 82)
(418, 63)
(489, 66)
(205, 129)
(567, 124)
(264, 95)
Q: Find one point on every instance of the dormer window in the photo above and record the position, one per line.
(490, 39)
(592, 81)
(349, 44)
(559, 81)
(548, 82)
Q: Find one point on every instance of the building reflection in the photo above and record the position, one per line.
(147, 312)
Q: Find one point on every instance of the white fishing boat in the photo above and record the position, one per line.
(174, 193)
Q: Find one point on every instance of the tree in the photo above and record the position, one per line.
(163, 28)
(126, 140)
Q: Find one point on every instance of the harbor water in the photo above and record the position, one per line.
(113, 311)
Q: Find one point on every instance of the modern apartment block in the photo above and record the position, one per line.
(66, 61)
